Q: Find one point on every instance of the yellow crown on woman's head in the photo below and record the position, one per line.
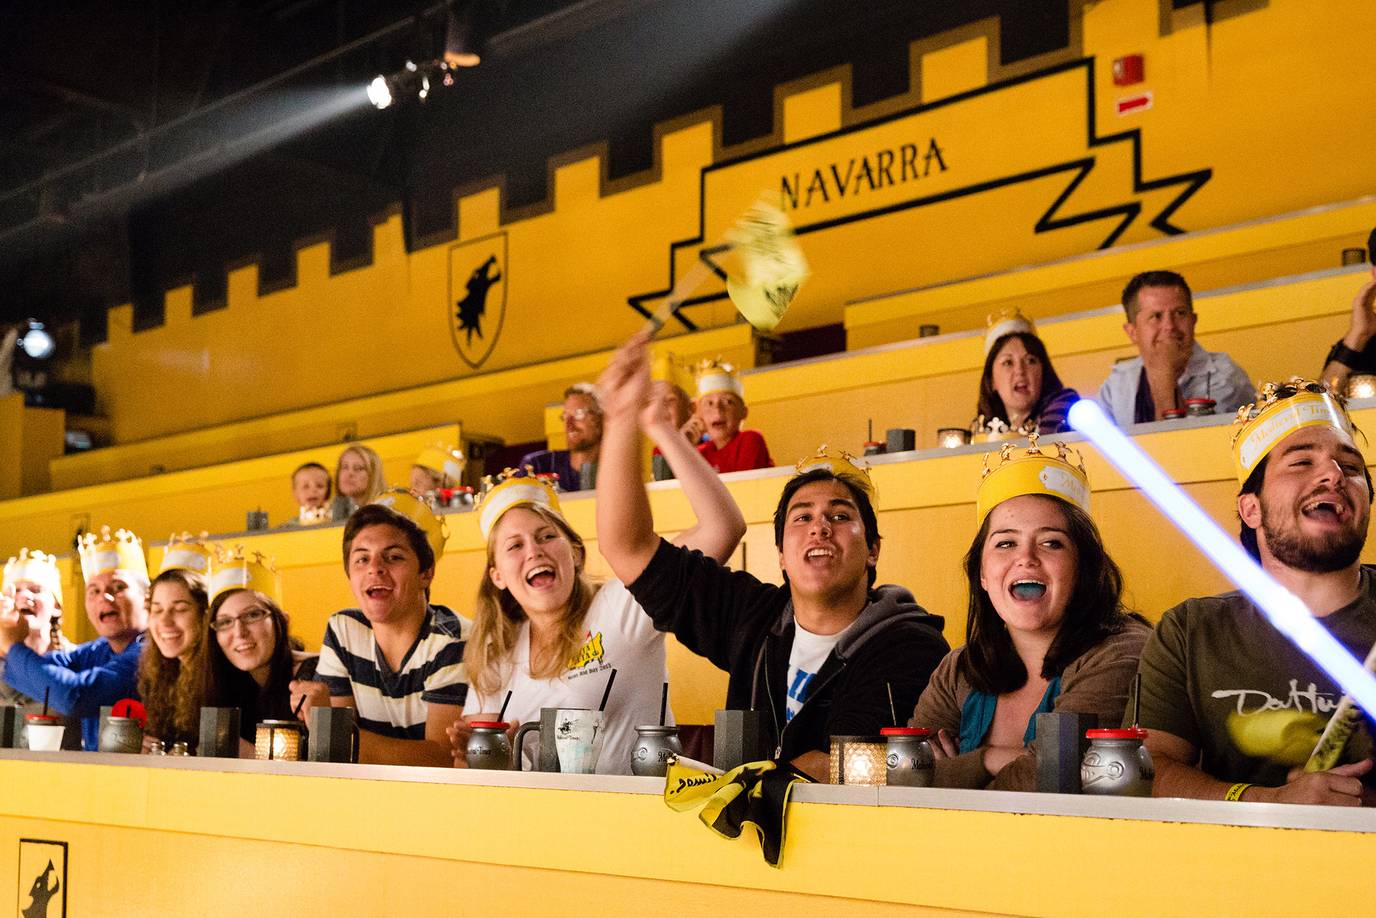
(844, 466)
(406, 503)
(1007, 321)
(35, 567)
(103, 553)
(186, 552)
(1032, 470)
(234, 570)
(513, 488)
(444, 459)
(718, 376)
(1282, 409)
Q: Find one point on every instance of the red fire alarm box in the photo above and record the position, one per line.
(1128, 70)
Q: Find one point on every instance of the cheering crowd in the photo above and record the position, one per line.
(1231, 709)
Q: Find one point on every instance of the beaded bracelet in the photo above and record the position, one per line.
(1236, 791)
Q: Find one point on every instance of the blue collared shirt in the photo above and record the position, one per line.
(1207, 375)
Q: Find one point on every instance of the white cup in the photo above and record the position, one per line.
(578, 740)
(45, 737)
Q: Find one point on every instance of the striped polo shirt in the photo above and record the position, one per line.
(395, 703)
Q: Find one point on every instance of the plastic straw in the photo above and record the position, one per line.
(893, 711)
(1136, 699)
(299, 705)
(1283, 609)
(45, 700)
(501, 715)
(607, 692)
(663, 704)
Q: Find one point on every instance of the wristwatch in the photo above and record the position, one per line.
(1344, 355)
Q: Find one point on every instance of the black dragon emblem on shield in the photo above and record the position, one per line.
(471, 308)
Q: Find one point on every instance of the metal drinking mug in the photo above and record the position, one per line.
(121, 734)
(1117, 763)
(653, 747)
(488, 746)
(911, 762)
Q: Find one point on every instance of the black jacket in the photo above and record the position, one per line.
(746, 627)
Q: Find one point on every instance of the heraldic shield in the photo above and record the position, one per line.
(477, 296)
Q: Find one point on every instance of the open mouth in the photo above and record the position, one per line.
(1325, 510)
(1027, 590)
(109, 615)
(819, 554)
(540, 577)
(378, 592)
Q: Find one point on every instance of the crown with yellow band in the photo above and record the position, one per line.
(513, 488)
(718, 376)
(1283, 409)
(406, 503)
(668, 367)
(1008, 321)
(186, 552)
(1032, 469)
(842, 465)
(102, 553)
(236, 570)
(34, 567)
(443, 459)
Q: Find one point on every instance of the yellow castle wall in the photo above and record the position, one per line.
(1259, 100)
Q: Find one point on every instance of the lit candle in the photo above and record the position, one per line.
(951, 437)
(1361, 386)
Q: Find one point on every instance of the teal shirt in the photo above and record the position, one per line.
(977, 716)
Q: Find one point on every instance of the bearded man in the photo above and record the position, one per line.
(1231, 707)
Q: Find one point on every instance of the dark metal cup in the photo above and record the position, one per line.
(488, 746)
(911, 762)
(653, 747)
(121, 734)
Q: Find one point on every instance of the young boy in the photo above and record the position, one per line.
(720, 410)
(311, 488)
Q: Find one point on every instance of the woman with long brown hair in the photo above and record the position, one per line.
(170, 680)
(1019, 390)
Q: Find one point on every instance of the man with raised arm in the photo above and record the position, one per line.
(1232, 708)
(819, 654)
(396, 659)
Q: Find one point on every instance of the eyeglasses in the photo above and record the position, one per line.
(252, 616)
(577, 414)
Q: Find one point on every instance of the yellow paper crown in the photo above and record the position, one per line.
(235, 570)
(417, 511)
(513, 488)
(103, 553)
(1032, 470)
(667, 367)
(186, 552)
(1283, 409)
(34, 567)
(444, 459)
(718, 376)
(1007, 321)
(842, 465)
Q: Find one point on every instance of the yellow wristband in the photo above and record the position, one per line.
(1236, 791)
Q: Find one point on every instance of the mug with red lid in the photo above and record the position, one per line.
(488, 745)
(1117, 763)
(910, 762)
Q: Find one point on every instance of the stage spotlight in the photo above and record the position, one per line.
(36, 341)
(462, 36)
(379, 93)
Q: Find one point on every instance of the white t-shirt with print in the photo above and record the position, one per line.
(619, 635)
(805, 660)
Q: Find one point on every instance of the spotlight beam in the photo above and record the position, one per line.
(1283, 609)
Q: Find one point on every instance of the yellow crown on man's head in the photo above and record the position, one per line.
(102, 553)
(1007, 321)
(1032, 470)
(406, 503)
(1283, 409)
(234, 570)
(844, 466)
(186, 552)
(718, 376)
(513, 488)
(35, 567)
(444, 459)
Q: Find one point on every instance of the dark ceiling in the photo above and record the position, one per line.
(131, 158)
